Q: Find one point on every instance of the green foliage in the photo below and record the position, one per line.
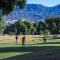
(53, 25)
(28, 26)
(10, 28)
(8, 5)
(50, 25)
(20, 27)
(2, 25)
(21, 3)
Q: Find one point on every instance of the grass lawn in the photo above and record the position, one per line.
(11, 54)
(35, 50)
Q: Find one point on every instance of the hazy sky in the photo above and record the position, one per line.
(48, 3)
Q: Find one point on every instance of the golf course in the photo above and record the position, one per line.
(33, 50)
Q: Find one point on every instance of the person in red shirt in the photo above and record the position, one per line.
(16, 39)
(23, 41)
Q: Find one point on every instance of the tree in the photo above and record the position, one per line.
(6, 6)
(57, 22)
(53, 24)
(35, 28)
(10, 29)
(21, 28)
(2, 25)
(41, 27)
(28, 25)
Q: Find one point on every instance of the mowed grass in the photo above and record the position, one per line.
(33, 50)
(11, 54)
(51, 42)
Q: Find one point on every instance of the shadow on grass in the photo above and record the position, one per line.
(49, 43)
(37, 53)
(22, 49)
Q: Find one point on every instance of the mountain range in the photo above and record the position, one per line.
(33, 12)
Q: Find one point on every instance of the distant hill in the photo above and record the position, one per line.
(34, 12)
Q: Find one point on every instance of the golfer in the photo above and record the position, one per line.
(23, 41)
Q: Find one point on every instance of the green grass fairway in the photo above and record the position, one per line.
(35, 50)
(11, 54)
(54, 42)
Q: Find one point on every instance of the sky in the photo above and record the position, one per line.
(49, 3)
